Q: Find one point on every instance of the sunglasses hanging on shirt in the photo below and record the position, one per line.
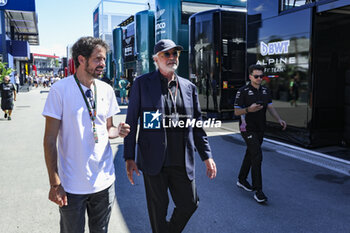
(174, 114)
(92, 108)
(90, 96)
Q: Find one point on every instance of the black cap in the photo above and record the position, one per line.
(165, 45)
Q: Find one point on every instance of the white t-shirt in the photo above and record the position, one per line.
(16, 79)
(83, 166)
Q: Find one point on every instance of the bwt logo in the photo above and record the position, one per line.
(3, 2)
(151, 120)
(274, 47)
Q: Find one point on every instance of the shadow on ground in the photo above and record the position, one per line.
(131, 198)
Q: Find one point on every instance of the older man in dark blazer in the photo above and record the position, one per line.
(165, 105)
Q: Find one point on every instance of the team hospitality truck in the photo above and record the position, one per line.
(133, 42)
(169, 20)
(172, 19)
(305, 51)
(217, 58)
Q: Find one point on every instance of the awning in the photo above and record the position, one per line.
(44, 55)
(25, 25)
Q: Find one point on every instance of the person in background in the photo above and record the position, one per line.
(294, 86)
(123, 84)
(17, 82)
(35, 80)
(251, 103)
(106, 80)
(30, 82)
(8, 95)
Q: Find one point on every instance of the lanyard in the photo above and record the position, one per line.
(92, 116)
(173, 99)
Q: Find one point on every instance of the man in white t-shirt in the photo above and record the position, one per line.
(17, 82)
(79, 116)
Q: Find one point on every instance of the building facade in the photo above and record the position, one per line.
(19, 29)
(47, 64)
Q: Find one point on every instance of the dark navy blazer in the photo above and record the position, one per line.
(146, 96)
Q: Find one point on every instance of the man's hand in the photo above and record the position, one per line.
(123, 129)
(130, 168)
(255, 107)
(274, 113)
(58, 195)
(283, 124)
(211, 168)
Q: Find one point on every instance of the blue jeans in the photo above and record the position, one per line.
(98, 206)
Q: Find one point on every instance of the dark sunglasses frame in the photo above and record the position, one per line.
(175, 54)
(88, 93)
(258, 76)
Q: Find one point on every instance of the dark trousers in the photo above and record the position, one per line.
(98, 207)
(252, 158)
(183, 192)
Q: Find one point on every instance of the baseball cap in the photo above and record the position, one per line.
(165, 45)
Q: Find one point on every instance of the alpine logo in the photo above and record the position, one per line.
(238, 94)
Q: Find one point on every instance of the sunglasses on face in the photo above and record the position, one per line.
(167, 54)
(258, 76)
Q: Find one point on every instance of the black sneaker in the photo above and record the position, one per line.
(260, 197)
(5, 116)
(244, 185)
(9, 118)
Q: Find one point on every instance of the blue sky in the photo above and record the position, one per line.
(61, 23)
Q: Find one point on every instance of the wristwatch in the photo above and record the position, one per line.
(246, 110)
